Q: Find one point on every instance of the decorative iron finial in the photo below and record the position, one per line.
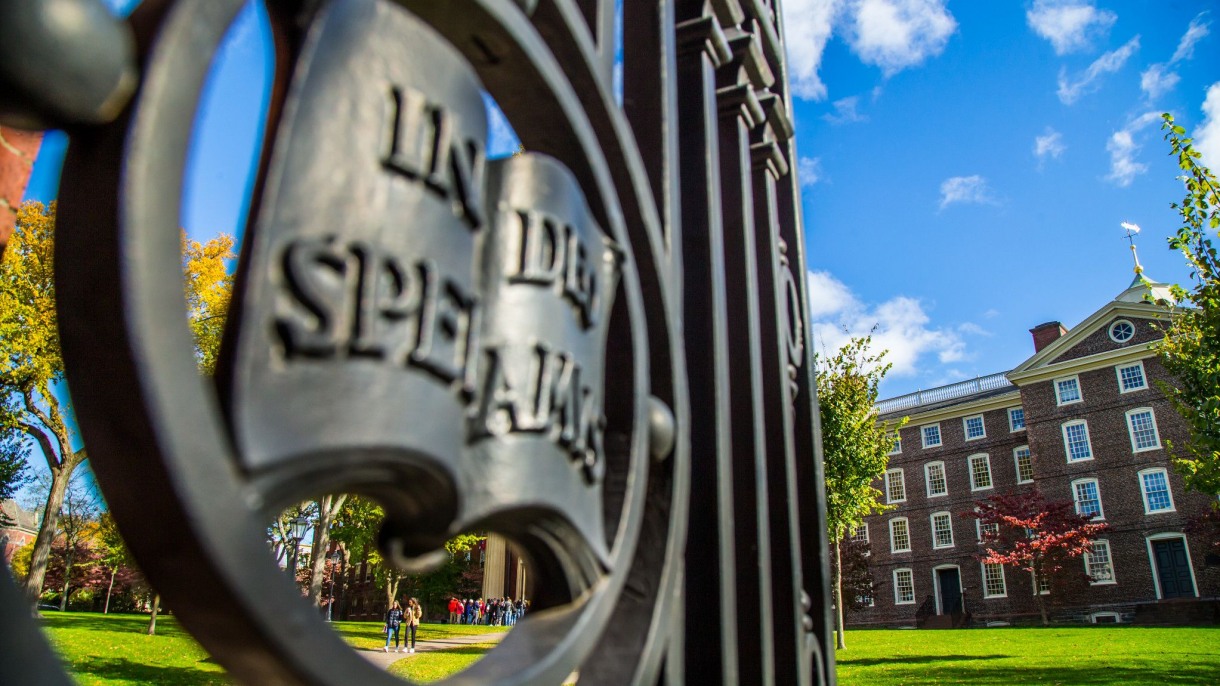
(1133, 229)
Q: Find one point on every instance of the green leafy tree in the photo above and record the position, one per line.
(1191, 348)
(31, 366)
(13, 472)
(855, 445)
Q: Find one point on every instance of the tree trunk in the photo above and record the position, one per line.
(328, 508)
(46, 536)
(152, 620)
(69, 558)
(109, 589)
(838, 598)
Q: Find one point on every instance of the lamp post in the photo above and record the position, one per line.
(296, 531)
(334, 567)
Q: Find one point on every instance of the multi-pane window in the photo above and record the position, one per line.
(895, 486)
(860, 534)
(1043, 585)
(865, 599)
(1155, 485)
(942, 530)
(1142, 427)
(1131, 377)
(1097, 563)
(1025, 464)
(974, 427)
(931, 435)
(1016, 418)
(934, 475)
(980, 472)
(1076, 441)
(1088, 498)
(985, 531)
(897, 448)
(1067, 390)
(993, 581)
(900, 535)
(1122, 331)
(904, 587)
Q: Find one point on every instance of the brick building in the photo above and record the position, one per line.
(22, 529)
(1081, 419)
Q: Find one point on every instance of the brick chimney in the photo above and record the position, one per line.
(1045, 334)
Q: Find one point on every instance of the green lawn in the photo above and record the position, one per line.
(112, 650)
(436, 665)
(1081, 655)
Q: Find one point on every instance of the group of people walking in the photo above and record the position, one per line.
(396, 618)
(493, 612)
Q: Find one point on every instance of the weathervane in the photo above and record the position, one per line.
(1133, 229)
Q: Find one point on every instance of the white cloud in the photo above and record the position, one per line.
(1123, 148)
(1070, 25)
(846, 111)
(1071, 89)
(1157, 79)
(808, 24)
(898, 326)
(1197, 30)
(1207, 136)
(897, 34)
(966, 189)
(809, 171)
(1049, 144)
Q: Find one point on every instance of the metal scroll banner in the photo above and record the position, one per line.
(595, 347)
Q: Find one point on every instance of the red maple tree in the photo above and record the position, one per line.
(1026, 531)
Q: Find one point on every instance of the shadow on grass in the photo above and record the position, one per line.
(119, 668)
(166, 625)
(468, 649)
(915, 660)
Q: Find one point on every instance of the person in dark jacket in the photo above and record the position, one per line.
(393, 620)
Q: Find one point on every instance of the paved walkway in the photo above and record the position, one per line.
(384, 660)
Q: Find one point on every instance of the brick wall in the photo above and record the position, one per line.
(17, 152)
(1115, 465)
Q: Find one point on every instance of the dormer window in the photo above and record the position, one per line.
(1122, 331)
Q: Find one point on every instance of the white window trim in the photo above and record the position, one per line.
(990, 476)
(1118, 619)
(1173, 507)
(932, 520)
(1034, 582)
(1067, 448)
(1010, 411)
(863, 525)
(978, 528)
(1156, 575)
(897, 444)
(1131, 429)
(1118, 374)
(914, 595)
(983, 581)
(923, 438)
(966, 427)
(1079, 390)
(1113, 575)
(1017, 465)
(1101, 509)
(898, 471)
(927, 479)
(891, 525)
(1116, 322)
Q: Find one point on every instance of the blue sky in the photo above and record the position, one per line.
(965, 165)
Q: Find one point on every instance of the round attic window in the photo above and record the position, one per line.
(1122, 331)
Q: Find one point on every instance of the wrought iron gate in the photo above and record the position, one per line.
(611, 324)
